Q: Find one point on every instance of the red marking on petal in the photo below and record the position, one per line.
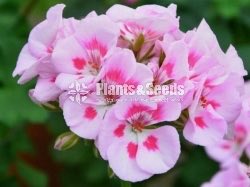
(90, 113)
(132, 150)
(53, 79)
(115, 75)
(205, 103)
(200, 122)
(225, 146)
(157, 114)
(192, 59)
(79, 63)
(119, 131)
(94, 44)
(135, 109)
(169, 68)
(151, 143)
(214, 104)
(50, 49)
(240, 133)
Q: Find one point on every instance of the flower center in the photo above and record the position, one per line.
(137, 126)
(203, 102)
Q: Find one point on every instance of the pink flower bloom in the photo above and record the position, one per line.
(150, 22)
(234, 176)
(134, 150)
(87, 126)
(237, 140)
(210, 112)
(84, 52)
(212, 73)
(174, 65)
(206, 57)
(34, 58)
(134, 47)
(232, 148)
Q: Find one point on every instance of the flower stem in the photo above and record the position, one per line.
(125, 184)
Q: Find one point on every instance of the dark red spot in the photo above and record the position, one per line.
(79, 63)
(90, 113)
(151, 143)
(169, 68)
(200, 122)
(53, 79)
(205, 103)
(50, 49)
(132, 150)
(119, 131)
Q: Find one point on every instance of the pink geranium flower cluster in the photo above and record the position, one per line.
(137, 134)
(232, 149)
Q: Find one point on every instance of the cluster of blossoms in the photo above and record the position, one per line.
(137, 134)
(233, 150)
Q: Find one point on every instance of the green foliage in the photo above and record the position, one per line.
(31, 176)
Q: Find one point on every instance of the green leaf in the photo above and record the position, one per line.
(16, 107)
(32, 176)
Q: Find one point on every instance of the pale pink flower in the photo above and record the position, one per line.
(234, 176)
(136, 151)
(149, 22)
(35, 57)
(237, 140)
(212, 73)
(95, 106)
(211, 110)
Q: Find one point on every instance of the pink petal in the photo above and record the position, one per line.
(157, 11)
(120, 67)
(111, 130)
(25, 61)
(69, 56)
(158, 149)
(205, 127)
(86, 119)
(128, 106)
(224, 152)
(166, 111)
(234, 176)
(142, 76)
(98, 33)
(121, 156)
(175, 65)
(205, 33)
(44, 34)
(235, 62)
(227, 105)
(46, 90)
(120, 12)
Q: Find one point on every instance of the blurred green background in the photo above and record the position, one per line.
(28, 132)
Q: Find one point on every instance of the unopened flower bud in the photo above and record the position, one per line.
(66, 141)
